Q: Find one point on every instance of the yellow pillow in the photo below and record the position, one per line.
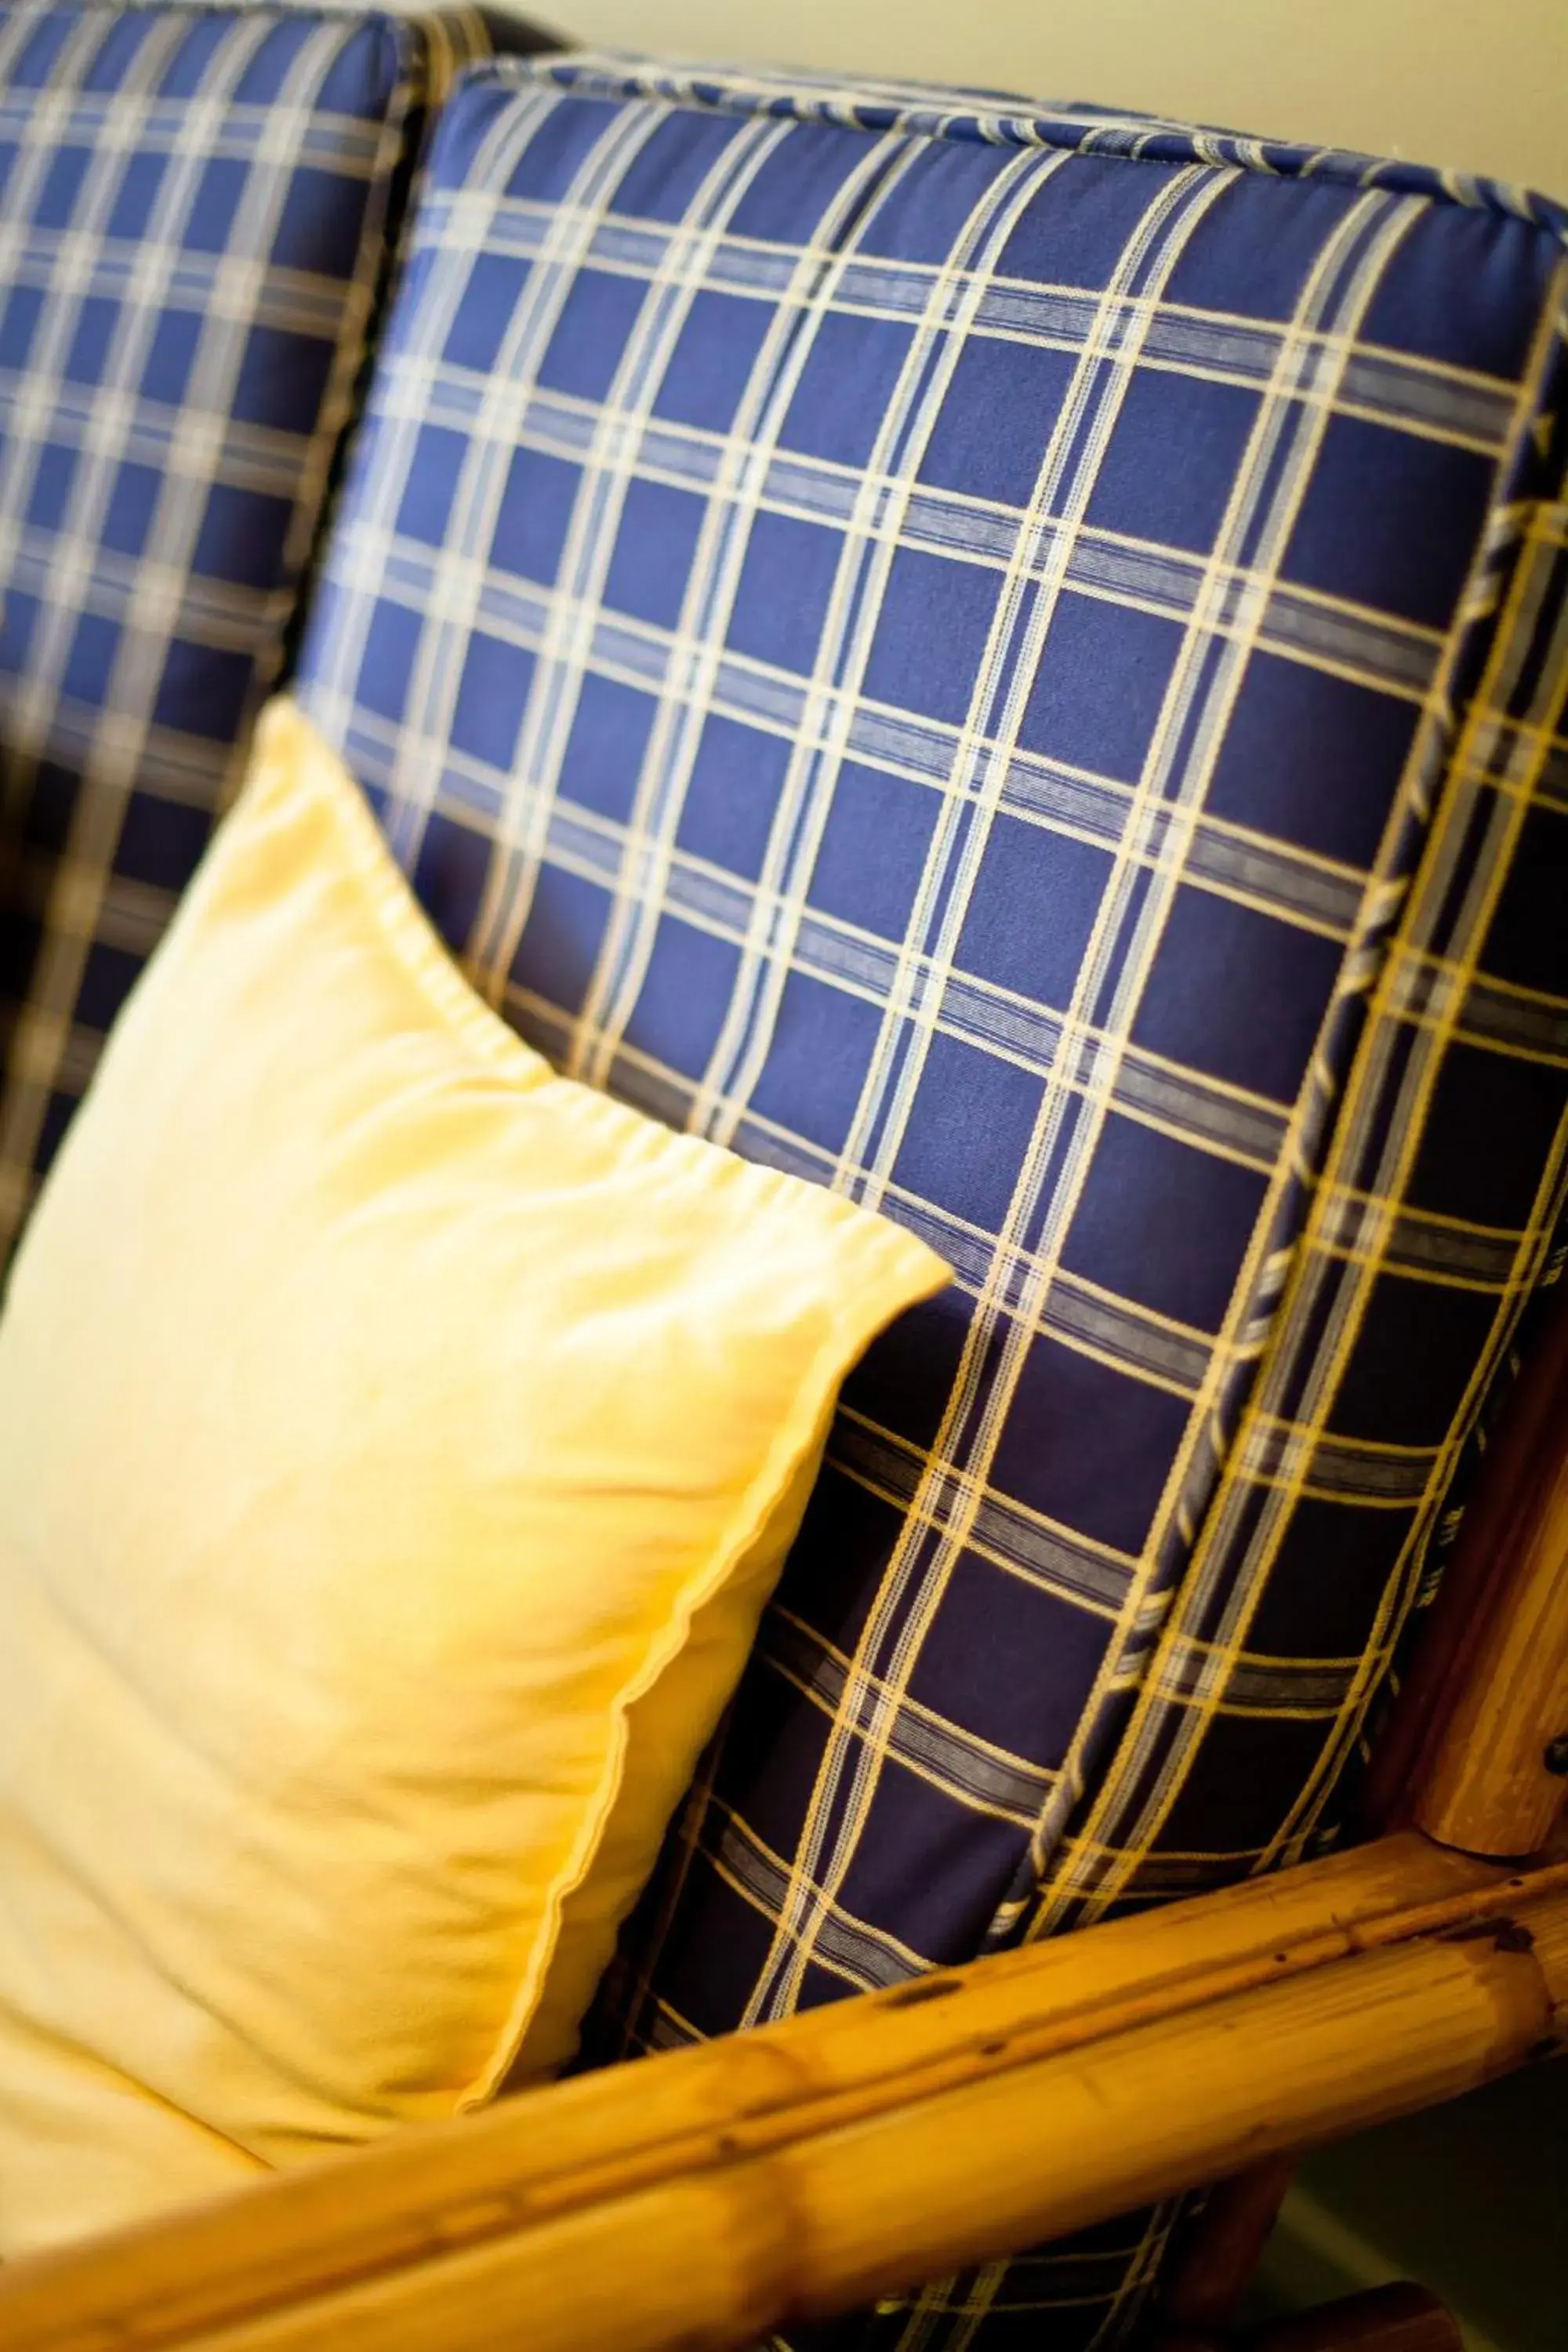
(379, 1415)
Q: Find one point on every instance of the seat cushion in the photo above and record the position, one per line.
(194, 204)
(1005, 662)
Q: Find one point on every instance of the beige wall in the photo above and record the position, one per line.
(1483, 86)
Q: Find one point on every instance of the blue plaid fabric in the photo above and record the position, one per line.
(1014, 665)
(194, 210)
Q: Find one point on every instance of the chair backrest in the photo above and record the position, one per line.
(1013, 662)
(1002, 663)
(195, 203)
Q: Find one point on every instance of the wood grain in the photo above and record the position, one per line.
(1465, 1753)
(720, 2254)
(1490, 1785)
(804, 2165)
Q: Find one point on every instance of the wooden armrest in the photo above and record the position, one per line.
(703, 2197)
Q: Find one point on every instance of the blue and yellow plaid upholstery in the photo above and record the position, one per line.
(1013, 665)
(194, 210)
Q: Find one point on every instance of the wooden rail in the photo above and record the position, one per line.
(1221, 2254)
(1497, 1775)
(1477, 1752)
(1385, 2319)
(700, 2200)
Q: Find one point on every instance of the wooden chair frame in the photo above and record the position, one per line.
(699, 2201)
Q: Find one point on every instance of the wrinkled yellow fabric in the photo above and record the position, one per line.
(397, 1444)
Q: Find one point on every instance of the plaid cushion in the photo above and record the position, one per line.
(194, 209)
(1013, 665)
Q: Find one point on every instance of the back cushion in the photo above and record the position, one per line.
(988, 660)
(194, 206)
